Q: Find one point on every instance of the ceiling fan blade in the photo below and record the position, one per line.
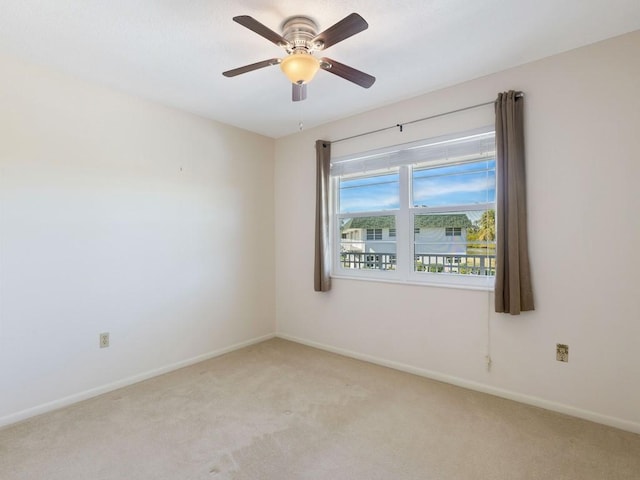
(252, 67)
(298, 92)
(345, 28)
(348, 73)
(255, 26)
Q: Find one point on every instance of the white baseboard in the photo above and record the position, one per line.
(78, 397)
(480, 387)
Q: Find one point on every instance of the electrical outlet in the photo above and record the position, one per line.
(104, 340)
(562, 352)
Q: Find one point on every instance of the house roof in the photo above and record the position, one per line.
(450, 220)
(421, 221)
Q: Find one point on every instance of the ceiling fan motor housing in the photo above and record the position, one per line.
(299, 31)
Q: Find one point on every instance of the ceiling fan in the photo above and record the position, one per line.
(300, 40)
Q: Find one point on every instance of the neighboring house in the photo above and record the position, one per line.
(441, 233)
(369, 234)
(445, 233)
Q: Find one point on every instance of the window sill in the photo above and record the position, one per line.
(487, 287)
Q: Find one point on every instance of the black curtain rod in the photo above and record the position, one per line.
(401, 125)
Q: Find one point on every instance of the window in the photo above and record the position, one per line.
(374, 234)
(442, 189)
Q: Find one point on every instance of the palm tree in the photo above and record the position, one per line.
(486, 226)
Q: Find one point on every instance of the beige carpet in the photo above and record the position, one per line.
(282, 411)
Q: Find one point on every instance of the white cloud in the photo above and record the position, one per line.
(431, 188)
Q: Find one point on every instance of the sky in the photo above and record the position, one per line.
(462, 184)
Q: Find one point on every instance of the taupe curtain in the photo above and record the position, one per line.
(321, 277)
(513, 292)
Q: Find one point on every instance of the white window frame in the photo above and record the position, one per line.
(404, 222)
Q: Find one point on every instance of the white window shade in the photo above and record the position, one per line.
(474, 145)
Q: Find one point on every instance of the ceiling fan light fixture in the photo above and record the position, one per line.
(300, 67)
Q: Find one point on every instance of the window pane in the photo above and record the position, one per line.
(366, 243)
(460, 243)
(460, 184)
(370, 193)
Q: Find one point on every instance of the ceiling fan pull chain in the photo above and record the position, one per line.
(301, 123)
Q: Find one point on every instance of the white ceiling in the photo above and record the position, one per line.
(174, 51)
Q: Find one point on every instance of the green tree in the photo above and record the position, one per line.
(486, 227)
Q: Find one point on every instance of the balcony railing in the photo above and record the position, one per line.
(362, 260)
(458, 263)
(463, 264)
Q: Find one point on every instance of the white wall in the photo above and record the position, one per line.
(582, 114)
(121, 216)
